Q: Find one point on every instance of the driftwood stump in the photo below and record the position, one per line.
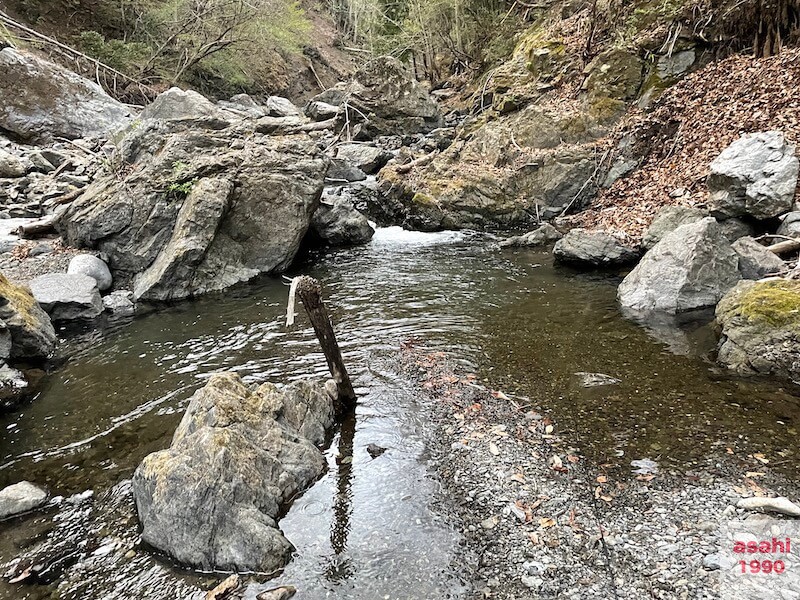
(310, 292)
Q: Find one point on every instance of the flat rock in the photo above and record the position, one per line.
(90, 265)
(67, 297)
(755, 176)
(20, 498)
(690, 268)
(593, 249)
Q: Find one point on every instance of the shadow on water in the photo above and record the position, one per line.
(367, 529)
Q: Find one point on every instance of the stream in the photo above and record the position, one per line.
(379, 528)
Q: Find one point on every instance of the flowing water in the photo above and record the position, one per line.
(372, 529)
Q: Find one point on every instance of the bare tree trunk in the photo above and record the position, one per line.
(310, 292)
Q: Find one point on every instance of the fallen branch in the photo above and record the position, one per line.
(38, 228)
(419, 162)
(785, 247)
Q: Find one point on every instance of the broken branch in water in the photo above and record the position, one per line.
(310, 292)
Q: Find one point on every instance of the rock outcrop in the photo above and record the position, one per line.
(238, 457)
(340, 224)
(43, 101)
(755, 176)
(195, 205)
(593, 249)
(67, 297)
(31, 331)
(690, 268)
(383, 98)
(761, 328)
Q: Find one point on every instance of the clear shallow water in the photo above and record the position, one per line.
(368, 530)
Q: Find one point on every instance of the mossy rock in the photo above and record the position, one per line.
(616, 74)
(32, 333)
(771, 303)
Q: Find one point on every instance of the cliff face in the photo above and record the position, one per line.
(594, 93)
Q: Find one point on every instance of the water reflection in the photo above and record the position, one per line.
(340, 567)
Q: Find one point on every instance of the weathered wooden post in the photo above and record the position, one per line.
(310, 292)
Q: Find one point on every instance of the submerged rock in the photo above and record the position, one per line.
(340, 224)
(119, 304)
(238, 457)
(755, 176)
(692, 267)
(43, 101)
(91, 266)
(755, 261)
(593, 248)
(20, 498)
(30, 328)
(760, 324)
(197, 208)
(67, 297)
(541, 236)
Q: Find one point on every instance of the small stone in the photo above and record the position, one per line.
(20, 498)
(711, 562)
(87, 264)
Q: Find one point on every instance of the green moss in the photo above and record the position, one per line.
(774, 302)
(423, 199)
(20, 299)
(603, 108)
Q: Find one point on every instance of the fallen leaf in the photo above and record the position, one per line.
(761, 458)
(572, 458)
(518, 477)
(494, 449)
(500, 395)
(546, 522)
(548, 429)
(602, 479)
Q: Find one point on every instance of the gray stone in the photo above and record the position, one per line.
(178, 104)
(195, 214)
(5, 341)
(760, 324)
(340, 224)
(755, 261)
(676, 64)
(238, 457)
(119, 304)
(790, 225)
(42, 101)
(321, 111)
(541, 236)
(668, 219)
(13, 385)
(593, 248)
(88, 264)
(10, 165)
(691, 267)
(735, 229)
(281, 107)
(32, 333)
(67, 297)
(20, 498)
(343, 171)
(368, 159)
(754, 176)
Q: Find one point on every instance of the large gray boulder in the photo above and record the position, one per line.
(541, 236)
(691, 267)
(67, 297)
(385, 99)
(755, 261)
(199, 209)
(90, 265)
(368, 159)
(760, 324)
(30, 328)
(20, 498)
(593, 249)
(755, 176)
(340, 224)
(42, 101)
(239, 456)
(177, 104)
(668, 219)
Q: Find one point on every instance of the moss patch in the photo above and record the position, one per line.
(776, 303)
(20, 300)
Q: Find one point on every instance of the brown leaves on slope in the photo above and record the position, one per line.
(690, 125)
